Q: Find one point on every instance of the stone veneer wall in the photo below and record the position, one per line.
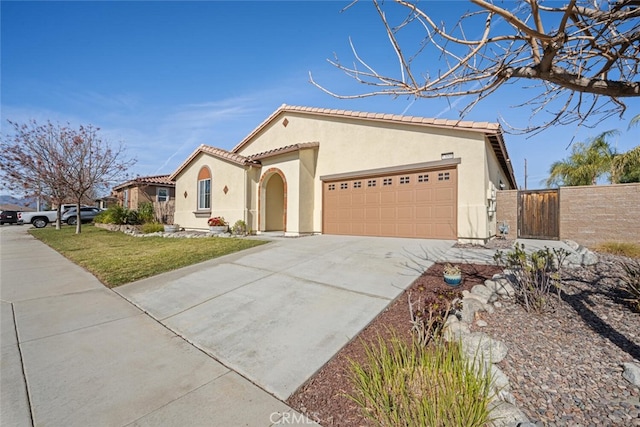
(589, 215)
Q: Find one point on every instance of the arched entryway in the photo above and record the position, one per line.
(273, 210)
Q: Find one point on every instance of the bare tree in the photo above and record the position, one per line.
(59, 163)
(583, 56)
(91, 162)
(32, 162)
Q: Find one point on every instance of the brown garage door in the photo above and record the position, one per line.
(416, 204)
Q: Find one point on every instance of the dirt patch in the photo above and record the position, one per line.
(323, 397)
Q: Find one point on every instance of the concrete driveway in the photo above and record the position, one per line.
(277, 313)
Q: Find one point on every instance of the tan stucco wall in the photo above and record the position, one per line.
(347, 145)
(297, 168)
(229, 205)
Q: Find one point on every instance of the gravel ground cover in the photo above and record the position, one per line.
(564, 367)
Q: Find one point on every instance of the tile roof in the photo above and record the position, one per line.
(485, 127)
(493, 131)
(282, 150)
(154, 179)
(212, 151)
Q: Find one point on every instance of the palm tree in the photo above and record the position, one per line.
(625, 167)
(587, 162)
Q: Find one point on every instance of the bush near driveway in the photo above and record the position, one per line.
(116, 258)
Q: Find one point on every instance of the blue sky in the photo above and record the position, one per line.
(165, 77)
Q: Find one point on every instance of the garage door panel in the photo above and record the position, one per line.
(418, 204)
(423, 212)
(357, 214)
(405, 213)
(405, 196)
(344, 199)
(388, 214)
(388, 197)
(423, 195)
(442, 213)
(372, 214)
(388, 230)
(406, 230)
(357, 198)
(444, 195)
(371, 229)
(344, 228)
(357, 229)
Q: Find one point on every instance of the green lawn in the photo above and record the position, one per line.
(116, 258)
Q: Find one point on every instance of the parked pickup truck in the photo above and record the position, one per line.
(38, 219)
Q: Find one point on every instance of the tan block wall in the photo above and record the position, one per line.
(595, 214)
(507, 211)
(589, 215)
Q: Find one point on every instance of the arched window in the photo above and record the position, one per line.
(204, 188)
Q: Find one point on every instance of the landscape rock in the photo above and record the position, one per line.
(481, 298)
(455, 331)
(632, 373)
(581, 256)
(484, 291)
(480, 345)
(506, 415)
(469, 308)
(481, 323)
(500, 286)
(450, 320)
(573, 245)
(499, 380)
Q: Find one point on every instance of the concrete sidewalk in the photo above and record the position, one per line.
(74, 353)
(215, 344)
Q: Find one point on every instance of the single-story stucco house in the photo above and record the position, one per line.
(312, 170)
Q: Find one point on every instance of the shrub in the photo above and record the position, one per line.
(113, 215)
(429, 316)
(536, 275)
(152, 227)
(631, 283)
(132, 217)
(413, 385)
(117, 215)
(145, 212)
(240, 227)
(631, 250)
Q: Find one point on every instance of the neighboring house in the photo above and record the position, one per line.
(311, 170)
(106, 202)
(158, 189)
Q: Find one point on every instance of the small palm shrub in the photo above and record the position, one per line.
(537, 275)
(631, 283)
(146, 212)
(117, 215)
(411, 385)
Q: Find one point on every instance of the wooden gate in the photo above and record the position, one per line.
(539, 214)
